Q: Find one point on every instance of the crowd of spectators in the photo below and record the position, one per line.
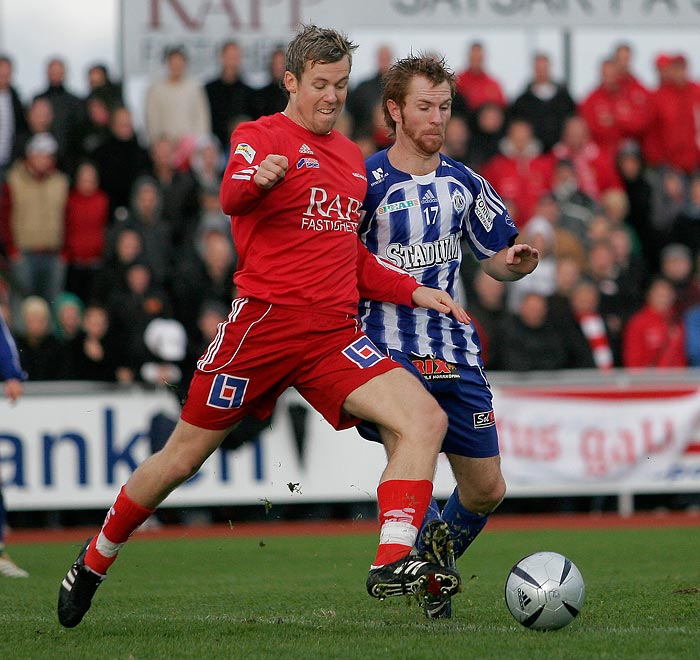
(116, 262)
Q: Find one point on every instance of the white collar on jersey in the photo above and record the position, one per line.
(424, 178)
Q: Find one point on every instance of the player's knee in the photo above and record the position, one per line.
(179, 466)
(440, 422)
(496, 496)
(433, 424)
(487, 499)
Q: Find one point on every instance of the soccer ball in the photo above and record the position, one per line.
(545, 591)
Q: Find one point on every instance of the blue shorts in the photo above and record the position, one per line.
(464, 394)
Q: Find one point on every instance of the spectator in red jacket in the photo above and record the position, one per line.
(87, 214)
(474, 85)
(654, 336)
(594, 167)
(615, 111)
(623, 58)
(674, 133)
(521, 172)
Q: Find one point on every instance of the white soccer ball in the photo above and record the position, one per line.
(545, 591)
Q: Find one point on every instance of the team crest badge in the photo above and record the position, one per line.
(459, 202)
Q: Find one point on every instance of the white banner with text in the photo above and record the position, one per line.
(63, 451)
(147, 26)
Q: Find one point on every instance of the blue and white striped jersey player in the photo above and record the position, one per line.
(420, 205)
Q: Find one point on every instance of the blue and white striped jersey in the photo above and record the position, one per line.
(418, 223)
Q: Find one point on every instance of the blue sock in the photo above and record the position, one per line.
(432, 513)
(464, 525)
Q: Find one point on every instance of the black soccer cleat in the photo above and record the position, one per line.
(77, 590)
(412, 576)
(437, 547)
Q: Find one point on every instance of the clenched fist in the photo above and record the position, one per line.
(271, 170)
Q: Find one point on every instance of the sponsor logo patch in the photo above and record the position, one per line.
(359, 176)
(423, 255)
(398, 206)
(379, 175)
(483, 213)
(436, 369)
(363, 353)
(483, 420)
(428, 198)
(227, 392)
(246, 151)
(307, 162)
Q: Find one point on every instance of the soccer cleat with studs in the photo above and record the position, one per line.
(410, 576)
(436, 546)
(77, 590)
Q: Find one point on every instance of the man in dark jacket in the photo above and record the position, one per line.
(68, 109)
(544, 103)
(229, 97)
(12, 121)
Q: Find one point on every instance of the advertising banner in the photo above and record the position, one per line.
(66, 451)
(147, 26)
(603, 438)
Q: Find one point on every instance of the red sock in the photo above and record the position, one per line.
(122, 520)
(402, 507)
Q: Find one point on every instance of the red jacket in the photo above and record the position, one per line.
(674, 134)
(520, 179)
(479, 88)
(653, 340)
(86, 224)
(613, 116)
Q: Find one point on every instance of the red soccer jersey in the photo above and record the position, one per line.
(297, 242)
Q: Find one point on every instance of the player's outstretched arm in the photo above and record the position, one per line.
(512, 263)
(440, 301)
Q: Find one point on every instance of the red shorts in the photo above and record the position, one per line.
(263, 349)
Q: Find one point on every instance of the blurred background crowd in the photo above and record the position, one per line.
(116, 261)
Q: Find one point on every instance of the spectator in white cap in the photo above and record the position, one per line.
(33, 219)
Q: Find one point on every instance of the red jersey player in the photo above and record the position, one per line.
(293, 188)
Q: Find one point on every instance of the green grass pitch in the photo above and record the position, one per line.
(295, 598)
